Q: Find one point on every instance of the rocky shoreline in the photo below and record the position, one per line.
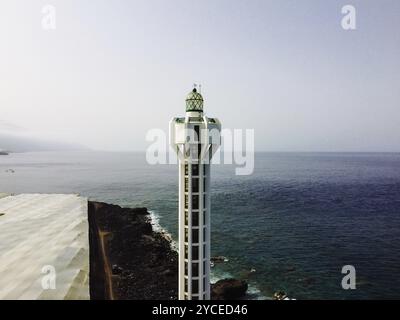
(131, 261)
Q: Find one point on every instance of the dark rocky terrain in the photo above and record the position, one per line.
(141, 262)
(130, 261)
(228, 289)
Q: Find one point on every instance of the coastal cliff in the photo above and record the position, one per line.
(131, 261)
(128, 259)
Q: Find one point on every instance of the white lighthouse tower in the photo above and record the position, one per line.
(195, 138)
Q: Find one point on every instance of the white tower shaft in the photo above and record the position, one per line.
(195, 139)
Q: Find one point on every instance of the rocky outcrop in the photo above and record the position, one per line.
(228, 289)
(280, 295)
(128, 260)
(219, 259)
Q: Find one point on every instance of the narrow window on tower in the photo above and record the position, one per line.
(195, 286)
(195, 235)
(186, 251)
(195, 269)
(186, 201)
(204, 217)
(195, 202)
(204, 185)
(186, 218)
(195, 219)
(186, 169)
(186, 285)
(204, 250)
(186, 269)
(198, 139)
(204, 234)
(195, 184)
(197, 130)
(186, 235)
(195, 169)
(205, 201)
(204, 285)
(195, 252)
(204, 170)
(186, 184)
(204, 266)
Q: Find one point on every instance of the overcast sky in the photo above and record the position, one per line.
(111, 70)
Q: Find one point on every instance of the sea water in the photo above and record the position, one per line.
(291, 225)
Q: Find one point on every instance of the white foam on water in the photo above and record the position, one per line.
(215, 275)
(155, 222)
(255, 292)
(252, 291)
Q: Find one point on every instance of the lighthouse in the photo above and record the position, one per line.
(195, 138)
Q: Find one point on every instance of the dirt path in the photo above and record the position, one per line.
(107, 268)
(146, 268)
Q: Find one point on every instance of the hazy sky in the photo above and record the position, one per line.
(114, 69)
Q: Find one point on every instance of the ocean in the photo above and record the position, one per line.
(295, 222)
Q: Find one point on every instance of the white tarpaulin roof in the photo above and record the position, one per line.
(44, 247)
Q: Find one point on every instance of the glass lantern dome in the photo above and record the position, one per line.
(194, 102)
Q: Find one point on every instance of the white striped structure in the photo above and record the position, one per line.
(195, 138)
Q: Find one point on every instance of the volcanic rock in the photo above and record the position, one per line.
(228, 289)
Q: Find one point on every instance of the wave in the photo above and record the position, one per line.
(155, 222)
(253, 293)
